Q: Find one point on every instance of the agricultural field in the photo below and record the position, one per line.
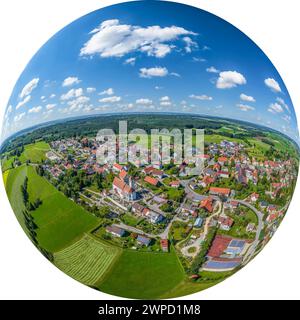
(86, 260)
(35, 152)
(58, 225)
(143, 275)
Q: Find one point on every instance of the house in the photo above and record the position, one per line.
(115, 231)
(148, 170)
(151, 180)
(219, 191)
(206, 181)
(198, 223)
(250, 227)
(157, 173)
(174, 184)
(124, 190)
(219, 245)
(223, 174)
(235, 247)
(207, 204)
(117, 168)
(123, 175)
(225, 223)
(137, 208)
(154, 217)
(142, 240)
(222, 160)
(164, 243)
(221, 264)
(254, 197)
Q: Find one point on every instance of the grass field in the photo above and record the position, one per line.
(143, 275)
(5, 176)
(35, 152)
(86, 260)
(59, 219)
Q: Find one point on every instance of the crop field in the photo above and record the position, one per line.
(60, 221)
(86, 260)
(143, 275)
(35, 152)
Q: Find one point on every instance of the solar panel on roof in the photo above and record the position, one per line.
(237, 243)
(221, 264)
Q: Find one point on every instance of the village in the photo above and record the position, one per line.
(153, 207)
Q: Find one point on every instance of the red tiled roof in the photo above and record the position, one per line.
(218, 246)
(122, 185)
(117, 166)
(222, 159)
(174, 183)
(225, 191)
(123, 174)
(207, 204)
(226, 221)
(151, 180)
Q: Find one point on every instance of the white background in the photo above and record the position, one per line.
(26, 25)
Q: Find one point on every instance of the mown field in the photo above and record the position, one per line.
(35, 152)
(86, 260)
(143, 275)
(60, 221)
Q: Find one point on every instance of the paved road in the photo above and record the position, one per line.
(260, 225)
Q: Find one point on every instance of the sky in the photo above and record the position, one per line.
(150, 56)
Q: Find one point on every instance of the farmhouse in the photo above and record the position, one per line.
(220, 243)
(174, 184)
(222, 264)
(225, 223)
(207, 204)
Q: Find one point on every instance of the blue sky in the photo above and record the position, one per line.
(150, 56)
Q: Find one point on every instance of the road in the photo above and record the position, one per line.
(251, 250)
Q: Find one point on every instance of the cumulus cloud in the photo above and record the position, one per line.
(287, 118)
(109, 92)
(23, 102)
(8, 112)
(282, 102)
(78, 103)
(272, 84)
(165, 101)
(153, 72)
(90, 90)
(110, 99)
(175, 74)
(189, 44)
(113, 39)
(212, 70)
(143, 101)
(19, 117)
(50, 106)
(230, 79)
(275, 108)
(244, 97)
(35, 109)
(53, 95)
(70, 81)
(73, 93)
(245, 107)
(201, 97)
(29, 87)
(130, 61)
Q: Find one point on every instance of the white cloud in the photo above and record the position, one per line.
(35, 109)
(189, 44)
(130, 61)
(109, 92)
(175, 74)
(275, 108)
(90, 90)
(24, 101)
(165, 101)
(273, 84)
(158, 88)
(50, 106)
(287, 118)
(43, 98)
(8, 112)
(282, 102)
(53, 95)
(153, 72)
(244, 97)
(212, 70)
(245, 107)
(29, 87)
(19, 117)
(230, 79)
(165, 98)
(112, 39)
(143, 101)
(201, 97)
(196, 59)
(73, 93)
(110, 99)
(70, 81)
(78, 103)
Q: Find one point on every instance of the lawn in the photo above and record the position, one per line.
(35, 152)
(86, 260)
(130, 219)
(143, 275)
(60, 221)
